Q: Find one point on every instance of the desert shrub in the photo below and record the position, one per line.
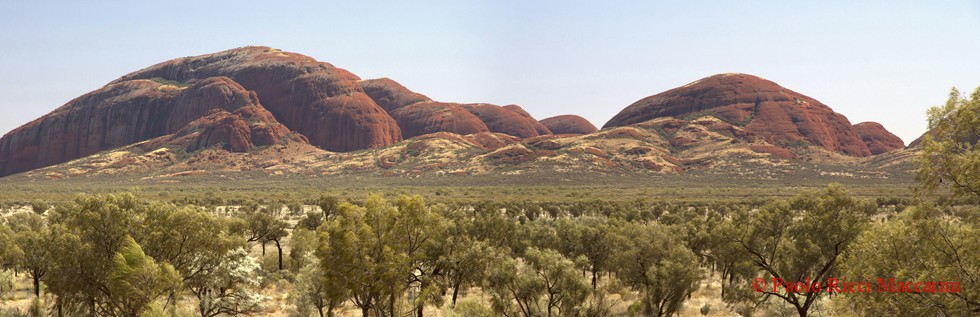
(295, 208)
(270, 266)
(39, 206)
(6, 284)
(12, 312)
(745, 310)
(36, 309)
(469, 307)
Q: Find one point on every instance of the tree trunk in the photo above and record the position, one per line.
(418, 313)
(263, 248)
(455, 293)
(278, 246)
(37, 286)
(391, 303)
(320, 310)
(365, 312)
(595, 274)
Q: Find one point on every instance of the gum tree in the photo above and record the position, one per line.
(373, 254)
(950, 158)
(658, 265)
(799, 239)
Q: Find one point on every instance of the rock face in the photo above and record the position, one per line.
(877, 138)
(323, 103)
(416, 114)
(316, 99)
(502, 120)
(431, 117)
(569, 124)
(391, 95)
(242, 98)
(765, 109)
(540, 128)
(238, 131)
(118, 114)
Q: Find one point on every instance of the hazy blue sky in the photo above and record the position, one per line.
(885, 61)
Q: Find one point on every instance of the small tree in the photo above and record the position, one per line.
(365, 251)
(136, 280)
(950, 157)
(361, 256)
(39, 206)
(800, 239)
(276, 232)
(547, 284)
(466, 264)
(10, 254)
(35, 259)
(310, 293)
(28, 246)
(920, 244)
(588, 237)
(229, 290)
(302, 246)
(658, 265)
(6, 284)
(328, 205)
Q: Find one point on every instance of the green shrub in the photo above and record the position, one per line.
(39, 206)
(12, 312)
(6, 284)
(468, 307)
(745, 310)
(36, 309)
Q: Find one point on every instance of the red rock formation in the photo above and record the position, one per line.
(330, 107)
(540, 128)
(877, 138)
(316, 99)
(491, 141)
(391, 95)
(324, 103)
(774, 150)
(430, 117)
(116, 115)
(765, 109)
(237, 131)
(501, 120)
(569, 124)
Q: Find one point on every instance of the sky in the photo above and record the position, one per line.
(884, 61)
